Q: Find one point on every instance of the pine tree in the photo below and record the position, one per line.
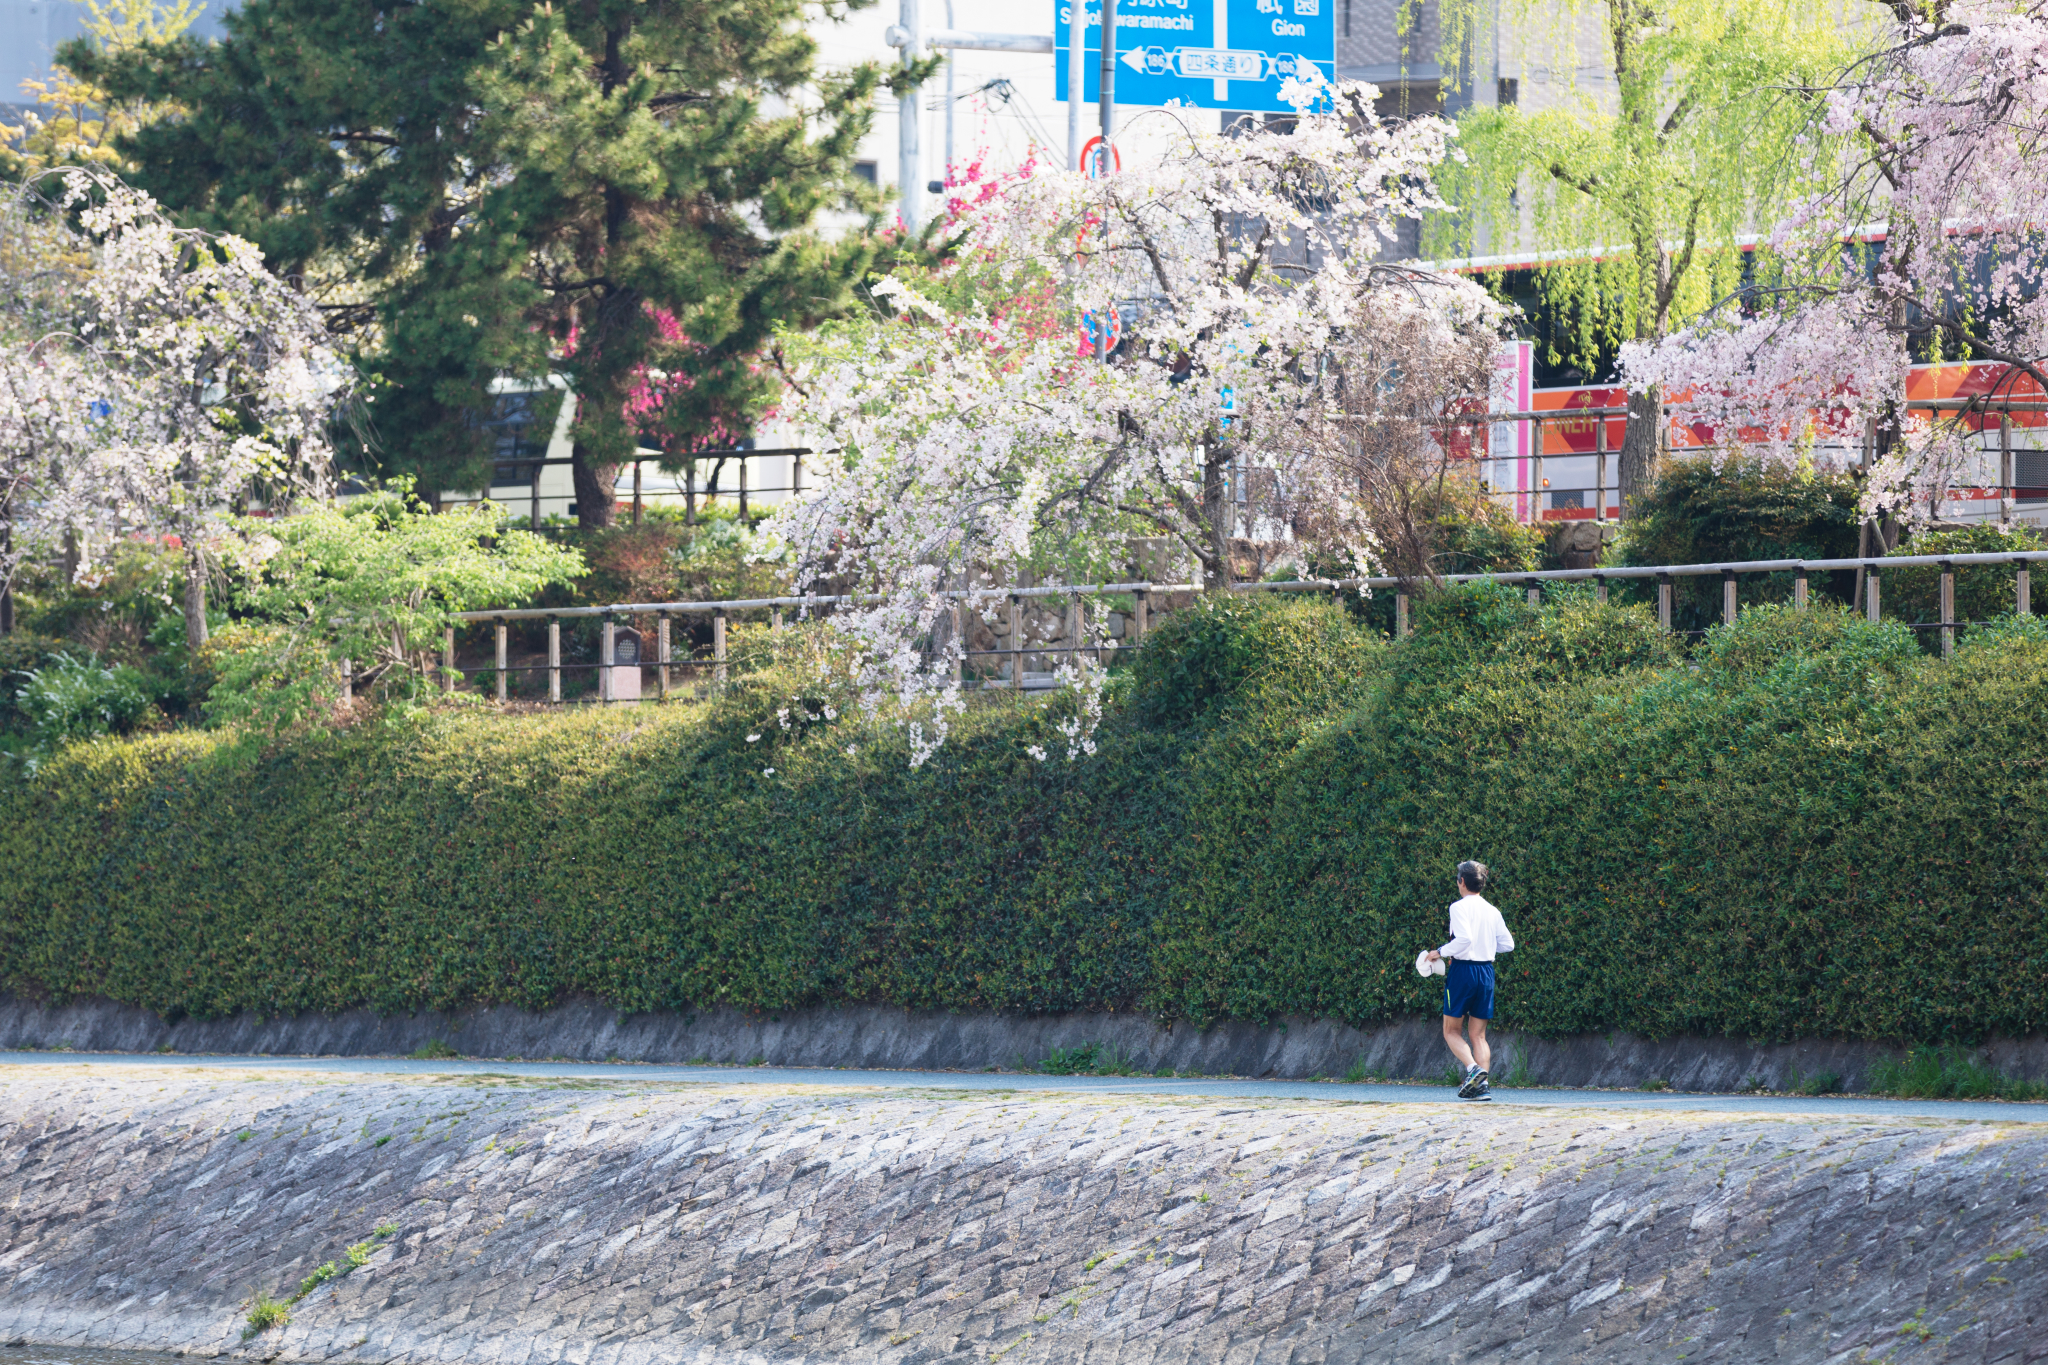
(626, 192)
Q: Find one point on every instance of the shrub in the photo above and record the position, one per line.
(1270, 832)
(1948, 1073)
(1246, 650)
(22, 652)
(1706, 511)
(1984, 592)
(76, 698)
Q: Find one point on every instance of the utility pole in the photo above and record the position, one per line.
(946, 171)
(1077, 78)
(910, 182)
(1108, 91)
(910, 118)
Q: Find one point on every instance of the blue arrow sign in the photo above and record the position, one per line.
(1212, 54)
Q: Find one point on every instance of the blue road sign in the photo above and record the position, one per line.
(1213, 54)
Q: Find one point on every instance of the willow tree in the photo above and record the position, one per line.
(1633, 191)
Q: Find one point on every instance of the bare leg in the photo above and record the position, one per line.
(1454, 1038)
(1481, 1053)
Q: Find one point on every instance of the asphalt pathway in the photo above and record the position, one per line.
(631, 1073)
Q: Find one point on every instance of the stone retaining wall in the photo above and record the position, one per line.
(880, 1036)
(610, 1224)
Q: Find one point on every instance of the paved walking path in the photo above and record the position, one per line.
(1831, 1106)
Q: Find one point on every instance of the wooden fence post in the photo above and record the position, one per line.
(1400, 616)
(1948, 610)
(2006, 494)
(661, 651)
(1871, 594)
(718, 644)
(1141, 614)
(1535, 593)
(1016, 643)
(554, 659)
(960, 634)
(1600, 585)
(348, 680)
(1728, 597)
(448, 660)
(2023, 603)
(605, 657)
(1799, 592)
(1664, 600)
(498, 639)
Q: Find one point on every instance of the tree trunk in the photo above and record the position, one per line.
(596, 490)
(1217, 513)
(195, 596)
(1639, 441)
(7, 583)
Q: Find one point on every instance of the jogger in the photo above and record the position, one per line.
(1478, 935)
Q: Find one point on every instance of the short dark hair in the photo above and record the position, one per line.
(1473, 875)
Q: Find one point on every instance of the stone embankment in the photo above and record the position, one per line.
(615, 1224)
(584, 1029)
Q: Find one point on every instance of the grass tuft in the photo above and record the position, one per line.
(266, 1313)
(1948, 1073)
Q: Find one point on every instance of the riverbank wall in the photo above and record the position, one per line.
(585, 1029)
(484, 1221)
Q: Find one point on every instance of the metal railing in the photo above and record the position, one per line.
(1016, 653)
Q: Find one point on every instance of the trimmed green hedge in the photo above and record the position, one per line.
(1806, 827)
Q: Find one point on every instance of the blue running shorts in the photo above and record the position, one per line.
(1468, 989)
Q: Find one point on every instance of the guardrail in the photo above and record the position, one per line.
(611, 665)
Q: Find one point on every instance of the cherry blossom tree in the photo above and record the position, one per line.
(1265, 360)
(153, 380)
(1926, 241)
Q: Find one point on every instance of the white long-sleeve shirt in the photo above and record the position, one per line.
(1478, 932)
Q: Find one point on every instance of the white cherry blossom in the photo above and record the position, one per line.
(1929, 239)
(1264, 341)
(151, 379)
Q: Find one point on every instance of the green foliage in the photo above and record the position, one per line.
(76, 698)
(374, 581)
(321, 1276)
(1774, 837)
(1721, 511)
(265, 1313)
(1249, 652)
(1071, 1061)
(1702, 511)
(488, 181)
(433, 1050)
(1948, 1073)
(1819, 1083)
(1691, 142)
(22, 652)
(1984, 592)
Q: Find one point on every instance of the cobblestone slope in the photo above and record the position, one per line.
(621, 1224)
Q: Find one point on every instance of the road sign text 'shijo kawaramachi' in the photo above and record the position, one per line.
(1212, 54)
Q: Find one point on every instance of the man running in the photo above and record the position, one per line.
(1478, 933)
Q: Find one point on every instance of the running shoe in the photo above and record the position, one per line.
(1474, 1078)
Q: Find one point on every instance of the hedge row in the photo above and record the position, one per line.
(1805, 827)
